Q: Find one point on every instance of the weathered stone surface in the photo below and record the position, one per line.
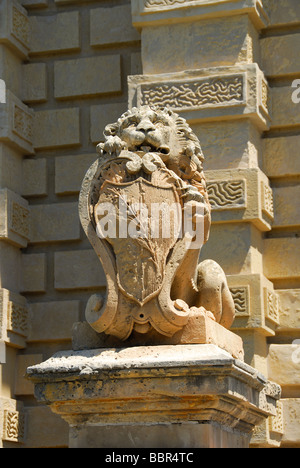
(291, 418)
(151, 156)
(207, 94)
(185, 374)
(280, 260)
(54, 33)
(59, 317)
(77, 165)
(35, 83)
(273, 51)
(279, 156)
(55, 222)
(289, 309)
(284, 364)
(35, 177)
(199, 330)
(33, 273)
(56, 128)
(90, 77)
(78, 269)
(116, 26)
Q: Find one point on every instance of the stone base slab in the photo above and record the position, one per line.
(200, 329)
(169, 395)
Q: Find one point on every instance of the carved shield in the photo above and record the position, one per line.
(144, 226)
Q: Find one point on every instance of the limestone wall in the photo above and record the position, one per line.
(226, 66)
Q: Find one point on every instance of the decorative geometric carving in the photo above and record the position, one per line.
(20, 26)
(264, 93)
(271, 305)
(20, 220)
(267, 200)
(17, 320)
(200, 93)
(13, 426)
(276, 422)
(227, 194)
(23, 124)
(13, 318)
(241, 301)
(163, 3)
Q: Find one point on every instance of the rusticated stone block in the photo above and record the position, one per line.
(101, 115)
(291, 421)
(285, 112)
(70, 171)
(286, 205)
(56, 128)
(79, 269)
(233, 144)
(284, 364)
(285, 12)
(52, 434)
(274, 49)
(22, 385)
(116, 26)
(34, 177)
(279, 156)
(55, 222)
(34, 82)
(227, 41)
(280, 260)
(90, 76)
(59, 317)
(54, 33)
(33, 273)
(290, 309)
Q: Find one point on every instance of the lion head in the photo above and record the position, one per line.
(163, 132)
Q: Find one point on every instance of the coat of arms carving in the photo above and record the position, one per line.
(145, 209)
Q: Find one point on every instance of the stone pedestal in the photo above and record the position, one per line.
(164, 396)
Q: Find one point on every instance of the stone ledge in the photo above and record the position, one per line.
(200, 329)
(207, 94)
(160, 386)
(149, 12)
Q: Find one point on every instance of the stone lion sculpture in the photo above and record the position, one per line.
(151, 157)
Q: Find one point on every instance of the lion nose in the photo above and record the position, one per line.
(145, 126)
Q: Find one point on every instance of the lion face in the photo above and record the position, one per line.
(150, 131)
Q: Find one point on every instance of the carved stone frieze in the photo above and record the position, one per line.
(146, 12)
(14, 318)
(241, 300)
(227, 194)
(208, 94)
(213, 91)
(256, 303)
(14, 27)
(14, 218)
(14, 426)
(18, 122)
